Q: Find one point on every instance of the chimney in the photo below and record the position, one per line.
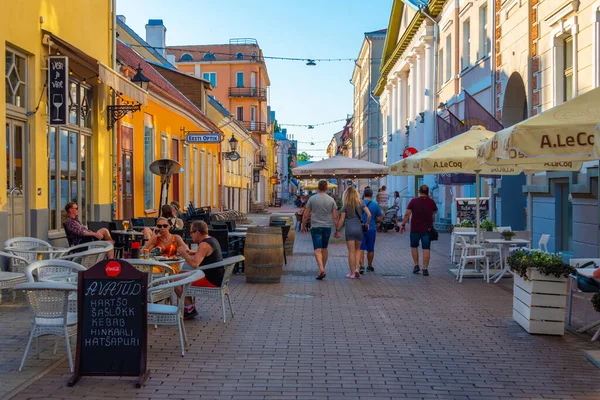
(122, 19)
(156, 35)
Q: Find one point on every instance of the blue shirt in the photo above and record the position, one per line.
(375, 212)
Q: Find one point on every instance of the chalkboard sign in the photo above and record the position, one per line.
(466, 209)
(112, 321)
(58, 86)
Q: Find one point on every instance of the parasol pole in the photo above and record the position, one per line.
(477, 211)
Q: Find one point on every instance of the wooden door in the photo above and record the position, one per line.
(127, 172)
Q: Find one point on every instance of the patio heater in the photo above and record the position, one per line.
(165, 168)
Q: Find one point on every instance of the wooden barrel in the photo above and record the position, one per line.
(289, 219)
(264, 254)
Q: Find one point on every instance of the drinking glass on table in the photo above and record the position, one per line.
(126, 224)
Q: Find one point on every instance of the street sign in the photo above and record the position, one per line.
(409, 151)
(58, 84)
(203, 138)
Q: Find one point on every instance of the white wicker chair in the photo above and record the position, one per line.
(13, 245)
(90, 257)
(63, 270)
(49, 303)
(9, 284)
(222, 291)
(147, 266)
(162, 314)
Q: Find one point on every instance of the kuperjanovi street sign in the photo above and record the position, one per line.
(203, 138)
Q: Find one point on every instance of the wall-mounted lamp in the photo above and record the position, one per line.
(422, 115)
(442, 106)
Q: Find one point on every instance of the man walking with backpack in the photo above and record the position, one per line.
(368, 242)
(422, 210)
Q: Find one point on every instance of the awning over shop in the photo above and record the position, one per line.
(121, 84)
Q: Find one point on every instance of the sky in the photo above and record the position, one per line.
(308, 29)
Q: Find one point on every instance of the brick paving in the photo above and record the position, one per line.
(388, 335)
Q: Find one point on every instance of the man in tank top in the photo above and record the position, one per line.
(209, 251)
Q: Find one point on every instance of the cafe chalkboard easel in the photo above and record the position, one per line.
(112, 322)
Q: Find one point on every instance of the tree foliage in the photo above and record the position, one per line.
(304, 156)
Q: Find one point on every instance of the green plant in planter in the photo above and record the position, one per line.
(546, 263)
(507, 234)
(465, 224)
(487, 225)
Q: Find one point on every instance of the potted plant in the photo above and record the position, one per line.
(465, 224)
(540, 287)
(507, 235)
(487, 225)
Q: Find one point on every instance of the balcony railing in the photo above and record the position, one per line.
(253, 126)
(252, 92)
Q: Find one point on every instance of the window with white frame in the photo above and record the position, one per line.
(484, 40)
(70, 157)
(214, 180)
(239, 79)
(567, 68)
(149, 154)
(211, 77)
(16, 79)
(466, 57)
(448, 50)
(441, 61)
(164, 145)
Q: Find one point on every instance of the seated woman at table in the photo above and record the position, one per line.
(168, 213)
(209, 251)
(163, 239)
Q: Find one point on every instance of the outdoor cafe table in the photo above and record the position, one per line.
(505, 250)
(133, 234)
(40, 251)
(237, 234)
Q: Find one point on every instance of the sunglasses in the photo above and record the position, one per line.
(193, 231)
(162, 226)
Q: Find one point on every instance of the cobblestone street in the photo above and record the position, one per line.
(388, 335)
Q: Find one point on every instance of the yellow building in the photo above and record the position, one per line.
(158, 131)
(177, 104)
(237, 174)
(49, 166)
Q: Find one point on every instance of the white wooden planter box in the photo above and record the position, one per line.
(539, 303)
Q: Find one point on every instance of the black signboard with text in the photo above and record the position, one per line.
(58, 86)
(111, 321)
(256, 175)
(466, 209)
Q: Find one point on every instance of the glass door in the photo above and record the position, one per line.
(15, 165)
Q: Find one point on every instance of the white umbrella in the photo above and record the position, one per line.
(340, 166)
(459, 155)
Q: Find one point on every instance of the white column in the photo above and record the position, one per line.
(411, 117)
(392, 146)
(402, 180)
(574, 34)
(596, 48)
(428, 107)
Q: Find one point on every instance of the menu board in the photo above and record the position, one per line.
(466, 209)
(112, 321)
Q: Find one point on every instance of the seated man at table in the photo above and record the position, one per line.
(79, 233)
(209, 251)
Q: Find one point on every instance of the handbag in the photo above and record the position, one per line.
(433, 233)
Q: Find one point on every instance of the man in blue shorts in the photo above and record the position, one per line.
(368, 242)
(422, 209)
(322, 210)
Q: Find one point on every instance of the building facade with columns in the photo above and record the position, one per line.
(368, 121)
(546, 53)
(406, 89)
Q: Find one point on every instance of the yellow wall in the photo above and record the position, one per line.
(84, 24)
(168, 121)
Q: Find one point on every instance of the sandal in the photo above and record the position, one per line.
(357, 275)
(321, 276)
(350, 276)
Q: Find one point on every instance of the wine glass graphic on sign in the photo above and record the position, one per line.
(57, 101)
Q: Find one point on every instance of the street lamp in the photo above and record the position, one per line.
(262, 162)
(442, 106)
(140, 79)
(232, 154)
